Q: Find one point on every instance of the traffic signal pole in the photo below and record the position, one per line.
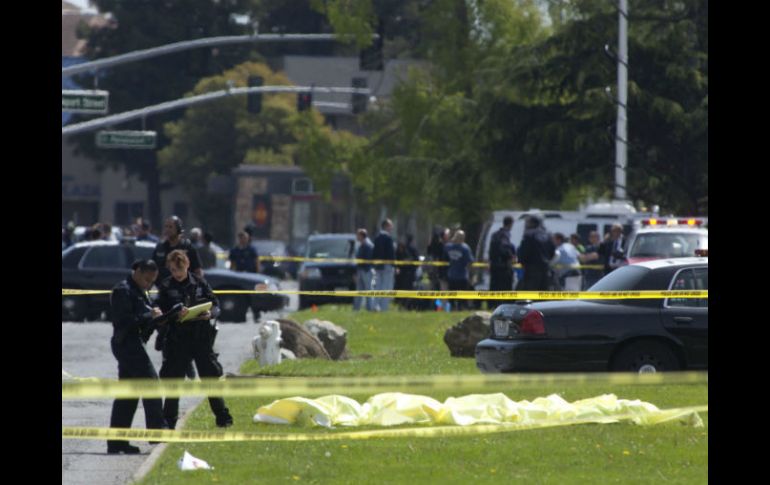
(194, 44)
(193, 100)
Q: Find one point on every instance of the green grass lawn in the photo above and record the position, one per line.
(406, 343)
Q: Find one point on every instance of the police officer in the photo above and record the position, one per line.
(132, 316)
(172, 233)
(535, 254)
(191, 340)
(502, 255)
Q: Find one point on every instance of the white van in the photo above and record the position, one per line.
(596, 217)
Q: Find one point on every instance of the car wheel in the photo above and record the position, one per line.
(73, 308)
(233, 308)
(645, 357)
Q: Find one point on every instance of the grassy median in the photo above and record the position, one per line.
(410, 343)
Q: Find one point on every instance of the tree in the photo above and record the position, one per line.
(562, 123)
(140, 25)
(212, 139)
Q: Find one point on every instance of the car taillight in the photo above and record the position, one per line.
(533, 323)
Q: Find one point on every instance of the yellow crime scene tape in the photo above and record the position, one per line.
(467, 295)
(283, 386)
(414, 432)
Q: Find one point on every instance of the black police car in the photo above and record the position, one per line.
(649, 335)
(327, 276)
(99, 265)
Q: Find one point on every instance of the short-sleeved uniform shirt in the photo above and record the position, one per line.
(244, 259)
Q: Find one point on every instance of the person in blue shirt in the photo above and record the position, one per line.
(460, 259)
(384, 273)
(364, 272)
(244, 256)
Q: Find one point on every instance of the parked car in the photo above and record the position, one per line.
(327, 276)
(268, 247)
(648, 335)
(99, 265)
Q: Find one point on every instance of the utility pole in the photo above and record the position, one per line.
(621, 135)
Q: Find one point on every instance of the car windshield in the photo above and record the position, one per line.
(330, 248)
(663, 245)
(622, 279)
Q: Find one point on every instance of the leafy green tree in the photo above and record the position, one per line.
(212, 139)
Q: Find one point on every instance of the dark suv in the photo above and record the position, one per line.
(99, 265)
(323, 276)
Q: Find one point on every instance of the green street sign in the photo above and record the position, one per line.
(126, 139)
(84, 101)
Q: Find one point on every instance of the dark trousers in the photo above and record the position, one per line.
(536, 278)
(134, 363)
(192, 343)
(459, 285)
(500, 279)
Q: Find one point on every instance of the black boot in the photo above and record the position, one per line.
(117, 447)
(224, 419)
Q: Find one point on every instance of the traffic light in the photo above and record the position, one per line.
(304, 101)
(359, 100)
(370, 59)
(255, 99)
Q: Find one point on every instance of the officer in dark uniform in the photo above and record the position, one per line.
(172, 232)
(132, 316)
(535, 254)
(190, 340)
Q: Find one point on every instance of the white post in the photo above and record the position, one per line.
(621, 136)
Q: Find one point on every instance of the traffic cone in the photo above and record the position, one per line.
(314, 308)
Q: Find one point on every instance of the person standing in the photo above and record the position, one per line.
(613, 249)
(406, 273)
(364, 271)
(384, 272)
(244, 256)
(458, 273)
(535, 254)
(192, 340)
(502, 256)
(567, 264)
(132, 315)
(435, 253)
(173, 231)
(206, 253)
(591, 256)
(143, 232)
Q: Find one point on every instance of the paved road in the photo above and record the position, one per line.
(86, 353)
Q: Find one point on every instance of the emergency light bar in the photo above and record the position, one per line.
(672, 222)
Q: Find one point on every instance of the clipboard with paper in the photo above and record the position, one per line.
(195, 311)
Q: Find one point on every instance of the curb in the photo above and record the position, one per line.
(147, 465)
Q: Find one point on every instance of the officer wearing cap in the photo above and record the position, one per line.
(132, 321)
(190, 340)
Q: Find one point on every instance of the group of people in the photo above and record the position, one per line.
(176, 270)
(552, 262)
(453, 275)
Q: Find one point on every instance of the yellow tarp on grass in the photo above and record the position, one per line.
(395, 408)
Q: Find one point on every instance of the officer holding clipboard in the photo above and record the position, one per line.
(189, 337)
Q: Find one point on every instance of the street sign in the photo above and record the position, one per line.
(84, 101)
(126, 139)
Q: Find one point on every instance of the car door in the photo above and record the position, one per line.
(104, 266)
(688, 318)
